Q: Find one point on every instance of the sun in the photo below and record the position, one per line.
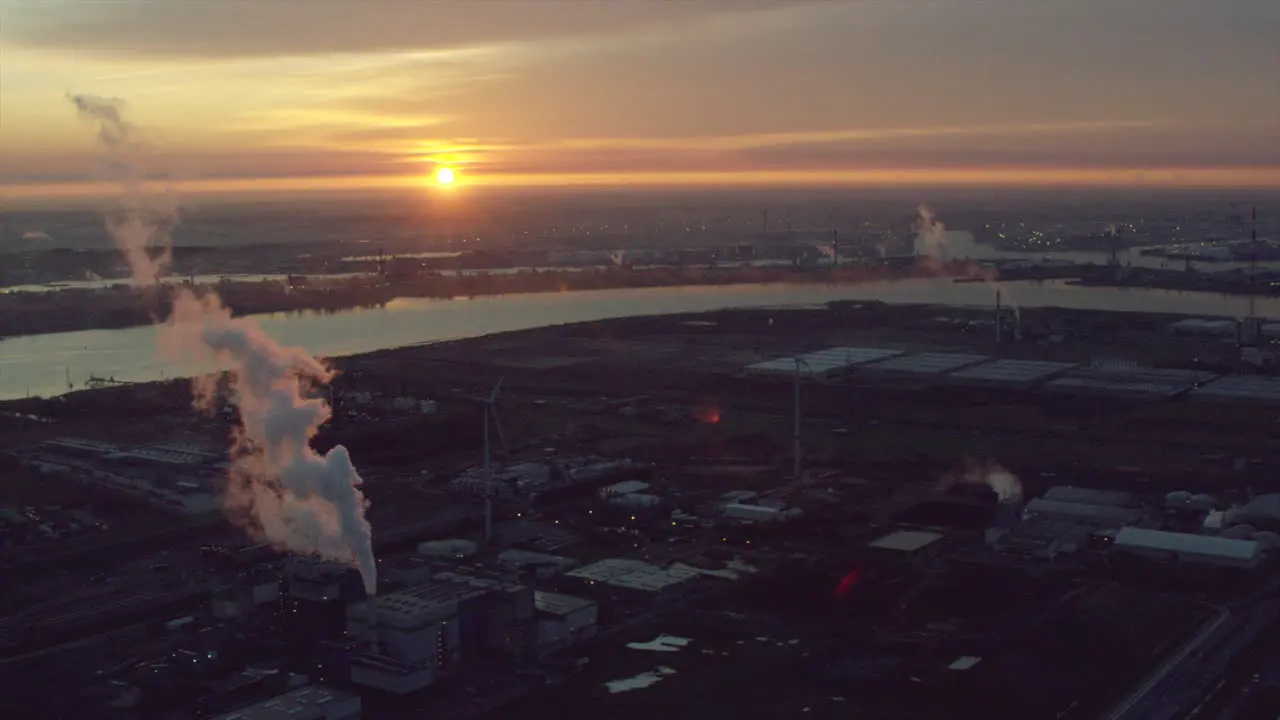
(444, 175)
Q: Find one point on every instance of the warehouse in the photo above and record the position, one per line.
(1010, 373)
(1098, 515)
(1257, 389)
(1186, 547)
(635, 578)
(1130, 382)
(924, 364)
(310, 702)
(563, 620)
(823, 363)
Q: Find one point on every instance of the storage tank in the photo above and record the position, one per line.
(1177, 499)
(1202, 503)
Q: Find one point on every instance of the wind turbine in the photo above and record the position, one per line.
(799, 360)
(490, 412)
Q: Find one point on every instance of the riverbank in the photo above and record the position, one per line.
(120, 306)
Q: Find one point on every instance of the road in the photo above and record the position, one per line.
(1185, 677)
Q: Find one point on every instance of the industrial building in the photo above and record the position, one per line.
(1255, 389)
(310, 702)
(1130, 382)
(414, 635)
(822, 364)
(906, 541)
(563, 620)
(1010, 373)
(924, 364)
(633, 579)
(1188, 547)
(1085, 513)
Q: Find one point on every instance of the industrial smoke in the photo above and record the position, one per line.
(1003, 483)
(279, 487)
(930, 234)
(141, 224)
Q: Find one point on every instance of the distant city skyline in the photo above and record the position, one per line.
(367, 93)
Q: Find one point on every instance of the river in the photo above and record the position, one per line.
(43, 364)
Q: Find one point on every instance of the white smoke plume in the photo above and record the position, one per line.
(1006, 485)
(142, 222)
(930, 234)
(279, 487)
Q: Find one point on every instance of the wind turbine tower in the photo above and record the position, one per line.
(800, 361)
(490, 413)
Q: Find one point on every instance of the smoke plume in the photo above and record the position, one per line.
(1005, 484)
(142, 222)
(930, 234)
(279, 487)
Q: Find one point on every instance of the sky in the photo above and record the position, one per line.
(276, 93)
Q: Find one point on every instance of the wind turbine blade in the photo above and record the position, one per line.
(494, 394)
(497, 425)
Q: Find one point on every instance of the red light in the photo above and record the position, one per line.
(846, 583)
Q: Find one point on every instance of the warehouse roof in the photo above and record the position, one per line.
(1013, 371)
(1259, 388)
(293, 704)
(824, 361)
(558, 604)
(927, 362)
(1208, 545)
(1104, 513)
(906, 540)
(1088, 496)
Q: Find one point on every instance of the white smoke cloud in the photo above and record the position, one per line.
(279, 487)
(142, 222)
(930, 234)
(1006, 485)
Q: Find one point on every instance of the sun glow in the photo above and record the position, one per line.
(444, 175)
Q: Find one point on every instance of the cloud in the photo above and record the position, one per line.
(249, 28)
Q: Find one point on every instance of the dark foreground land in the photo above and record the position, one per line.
(823, 625)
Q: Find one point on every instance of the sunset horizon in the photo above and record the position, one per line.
(824, 93)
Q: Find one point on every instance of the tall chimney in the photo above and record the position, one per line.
(372, 609)
(999, 318)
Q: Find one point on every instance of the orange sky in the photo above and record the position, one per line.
(332, 93)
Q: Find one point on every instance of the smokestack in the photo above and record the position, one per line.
(999, 318)
(372, 603)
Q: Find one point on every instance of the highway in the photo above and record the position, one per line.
(1191, 672)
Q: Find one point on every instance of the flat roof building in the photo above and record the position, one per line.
(1083, 512)
(926, 363)
(1012, 373)
(1254, 389)
(310, 702)
(822, 363)
(906, 540)
(1187, 547)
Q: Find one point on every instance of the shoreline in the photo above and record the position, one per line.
(121, 307)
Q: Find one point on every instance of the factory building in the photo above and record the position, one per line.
(760, 513)
(1188, 547)
(1252, 389)
(410, 635)
(543, 565)
(1085, 513)
(1009, 373)
(632, 579)
(310, 702)
(563, 620)
(823, 364)
(259, 590)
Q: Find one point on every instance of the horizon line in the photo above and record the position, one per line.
(1255, 177)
